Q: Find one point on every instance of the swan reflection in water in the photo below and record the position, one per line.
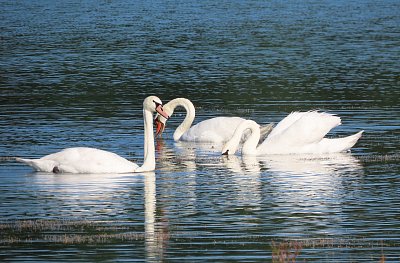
(187, 155)
(82, 195)
(156, 235)
(304, 193)
(308, 178)
(204, 160)
(245, 176)
(298, 171)
(311, 175)
(99, 196)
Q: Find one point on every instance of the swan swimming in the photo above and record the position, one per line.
(298, 133)
(215, 130)
(79, 160)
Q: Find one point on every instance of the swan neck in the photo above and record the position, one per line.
(190, 114)
(250, 145)
(149, 163)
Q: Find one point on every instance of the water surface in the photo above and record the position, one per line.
(75, 73)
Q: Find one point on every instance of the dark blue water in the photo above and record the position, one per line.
(75, 73)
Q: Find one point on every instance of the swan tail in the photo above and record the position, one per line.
(353, 139)
(25, 161)
(265, 130)
(38, 164)
(342, 144)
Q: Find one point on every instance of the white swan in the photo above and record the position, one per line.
(299, 132)
(214, 130)
(91, 160)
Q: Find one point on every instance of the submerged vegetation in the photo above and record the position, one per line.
(66, 231)
(286, 251)
(76, 232)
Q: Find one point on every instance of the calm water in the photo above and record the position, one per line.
(75, 73)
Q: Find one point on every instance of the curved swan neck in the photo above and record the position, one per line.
(250, 145)
(149, 162)
(190, 114)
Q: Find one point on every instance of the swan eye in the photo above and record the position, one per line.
(157, 103)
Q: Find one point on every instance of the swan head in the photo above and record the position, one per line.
(160, 121)
(154, 104)
(230, 148)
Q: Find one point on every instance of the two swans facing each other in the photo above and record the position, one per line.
(215, 130)
(298, 133)
(92, 160)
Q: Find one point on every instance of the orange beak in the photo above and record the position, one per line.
(161, 111)
(159, 127)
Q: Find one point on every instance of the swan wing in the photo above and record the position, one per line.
(265, 130)
(302, 128)
(286, 123)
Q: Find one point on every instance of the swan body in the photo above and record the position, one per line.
(298, 133)
(91, 160)
(81, 160)
(215, 130)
